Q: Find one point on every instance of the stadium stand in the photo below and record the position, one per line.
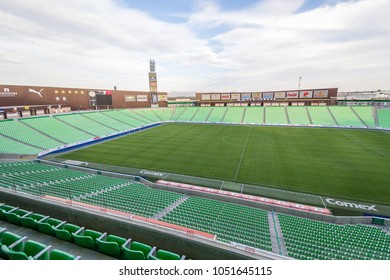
(366, 114)
(137, 119)
(298, 115)
(345, 116)
(234, 115)
(107, 121)
(134, 198)
(50, 125)
(19, 131)
(150, 114)
(9, 146)
(165, 114)
(202, 114)
(230, 222)
(310, 239)
(116, 114)
(254, 115)
(275, 115)
(217, 114)
(85, 124)
(177, 111)
(384, 118)
(187, 114)
(320, 116)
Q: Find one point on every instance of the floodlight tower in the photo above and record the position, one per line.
(153, 84)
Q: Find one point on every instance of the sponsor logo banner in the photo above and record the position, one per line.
(215, 96)
(292, 94)
(320, 93)
(351, 204)
(235, 96)
(280, 95)
(205, 96)
(225, 96)
(142, 98)
(268, 95)
(256, 95)
(306, 94)
(130, 98)
(162, 97)
(7, 93)
(246, 96)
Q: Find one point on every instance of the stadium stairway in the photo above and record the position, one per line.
(357, 115)
(171, 207)
(331, 114)
(287, 116)
(308, 115)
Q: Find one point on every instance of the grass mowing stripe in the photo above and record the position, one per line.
(242, 154)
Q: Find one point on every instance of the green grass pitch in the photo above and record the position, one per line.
(345, 163)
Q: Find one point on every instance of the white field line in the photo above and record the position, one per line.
(242, 154)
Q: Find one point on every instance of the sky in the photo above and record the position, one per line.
(198, 45)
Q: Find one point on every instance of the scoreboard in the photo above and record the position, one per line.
(100, 98)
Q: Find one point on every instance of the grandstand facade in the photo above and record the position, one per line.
(304, 97)
(37, 100)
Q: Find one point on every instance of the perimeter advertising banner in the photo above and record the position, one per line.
(142, 98)
(320, 93)
(246, 96)
(280, 94)
(235, 96)
(152, 77)
(206, 97)
(162, 97)
(225, 96)
(306, 94)
(256, 95)
(268, 95)
(292, 94)
(215, 96)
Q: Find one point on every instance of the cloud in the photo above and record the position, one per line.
(264, 46)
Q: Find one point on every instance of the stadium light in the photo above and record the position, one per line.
(299, 82)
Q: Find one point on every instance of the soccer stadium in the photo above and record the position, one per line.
(106, 174)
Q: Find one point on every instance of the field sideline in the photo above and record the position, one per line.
(345, 163)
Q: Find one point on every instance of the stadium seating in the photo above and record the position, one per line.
(202, 114)
(51, 125)
(230, 222)
(254, 115)
(119, 116)
(163, 255)
(9, 146)
(138, 118)
(275, 115)
(345, 116)
(217, 114)
(133, 250)
(298, 115)
(187, 114)
(110, 245)
(366, 114)
(107, 121)
(321, 116)
(310, 239)
(149, 114)
(25, 134)
(384, 118)
(87, 125)
(177, 111)
(134, 198)
(234, 115)
(165, 114)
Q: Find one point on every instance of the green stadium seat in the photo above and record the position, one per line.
(8, 238)
(61, 255)
(46, 225)
(110, 245)
(86, 238)
(31, 250)
(135, 250)
(163, 255)
(14, 215)
(30, 220)
(64, 231)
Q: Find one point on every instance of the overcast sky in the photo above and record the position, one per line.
(198, 45)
